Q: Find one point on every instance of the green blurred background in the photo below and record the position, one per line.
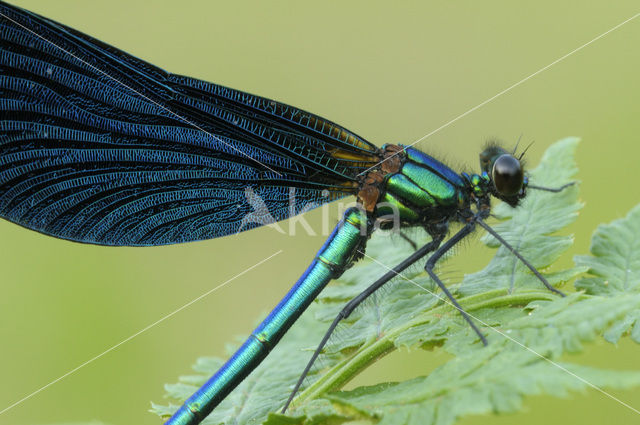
(389, 73)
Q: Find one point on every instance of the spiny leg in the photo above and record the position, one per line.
(535, 271)
(355, 302)
(431, 262)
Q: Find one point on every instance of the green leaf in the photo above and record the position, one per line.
(474, 384)
(615, 262)
(614, 269)
(527, 326)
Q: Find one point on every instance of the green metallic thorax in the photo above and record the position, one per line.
(424, 191)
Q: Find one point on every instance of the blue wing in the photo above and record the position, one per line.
(97, 146)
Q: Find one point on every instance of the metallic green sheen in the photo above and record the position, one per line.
(292, 306)
(401, 186)
(434, 165)
(476, 181)
(247, 358)
(332, 259)
(405, 213)
(352, 230)
(440, 189)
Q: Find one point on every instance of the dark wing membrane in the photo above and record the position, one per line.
(100, 147)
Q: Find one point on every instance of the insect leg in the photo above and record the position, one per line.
(351, 305)
(535, 271)
(468, 228)
(551, 189)
(408, 239)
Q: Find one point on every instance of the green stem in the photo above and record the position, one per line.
(369, 352)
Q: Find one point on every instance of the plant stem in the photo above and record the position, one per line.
(343, 372)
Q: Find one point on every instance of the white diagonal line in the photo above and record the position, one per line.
(444, 299)
(480, 105)
(139, 94)
(23, 399)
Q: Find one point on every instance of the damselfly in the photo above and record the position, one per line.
(99, 147)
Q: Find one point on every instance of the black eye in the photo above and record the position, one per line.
(507, 175)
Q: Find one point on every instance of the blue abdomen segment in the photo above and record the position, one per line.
(332, 259)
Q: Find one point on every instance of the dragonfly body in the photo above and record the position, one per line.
(412, 187)
(97, 146)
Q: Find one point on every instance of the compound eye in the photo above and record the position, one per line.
(507, 175)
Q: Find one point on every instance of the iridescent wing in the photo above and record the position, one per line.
(100, 147)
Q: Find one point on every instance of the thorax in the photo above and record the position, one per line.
(414, 189)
